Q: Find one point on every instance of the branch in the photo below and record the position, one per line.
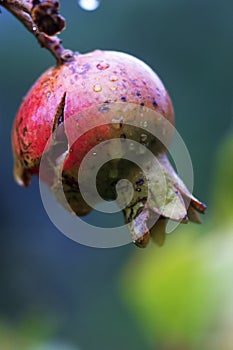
(43, 20)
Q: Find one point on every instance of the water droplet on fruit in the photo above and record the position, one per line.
(117, 123)
(89, 5)
(104, 108)
(143, 138)
(97, 88)
(102, 66)
(113, 78)
(131, 146)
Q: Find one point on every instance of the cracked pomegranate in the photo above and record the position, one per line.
(74, 102)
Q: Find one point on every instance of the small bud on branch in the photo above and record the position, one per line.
(42, 19)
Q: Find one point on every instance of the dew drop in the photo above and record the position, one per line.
(131, 146)
(89, 5)
(143, 138)
(97, 88)
(34, 28)
(102, 66)
(94, 153)
(117, 123)
(145, 124)
(113, 78)
(104, 108)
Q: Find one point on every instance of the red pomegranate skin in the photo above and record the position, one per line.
(91, 79)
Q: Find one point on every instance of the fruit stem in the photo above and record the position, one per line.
(35, 15)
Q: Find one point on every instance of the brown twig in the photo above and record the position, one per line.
(42, 19)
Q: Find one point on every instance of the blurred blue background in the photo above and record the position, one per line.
(53, 289)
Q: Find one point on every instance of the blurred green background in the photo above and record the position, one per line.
(57, 294)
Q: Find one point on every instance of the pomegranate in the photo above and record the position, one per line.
(94, 98)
